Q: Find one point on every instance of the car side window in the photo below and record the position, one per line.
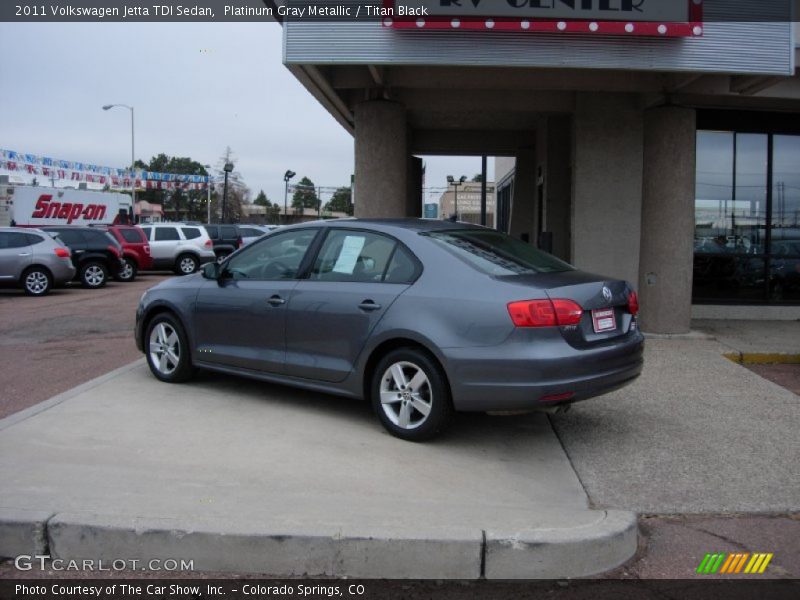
(277, 257)
(191, 233)
(356, 256)
(13, 239)
(403, 268)
(166, 234)
(69, 237)
(212, 231)
(34, 239)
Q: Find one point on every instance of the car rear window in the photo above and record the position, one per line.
(250, 232)
(229, 232)
(191, 233)
(496, 253)
(132, 236)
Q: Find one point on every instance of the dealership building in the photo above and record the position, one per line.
(652, 140)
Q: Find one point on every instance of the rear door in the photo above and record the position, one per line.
(163, 243)
(15, 254)
(353, 282)
(240, 320)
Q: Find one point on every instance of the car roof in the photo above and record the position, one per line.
(408, 224)
(22, 229)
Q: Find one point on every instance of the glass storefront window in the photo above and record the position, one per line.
(785, 242)
(747, 236)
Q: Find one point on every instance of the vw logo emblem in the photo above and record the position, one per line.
(607, 294)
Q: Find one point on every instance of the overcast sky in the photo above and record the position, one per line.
(196, 88)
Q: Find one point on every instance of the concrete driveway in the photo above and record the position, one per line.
(696, 434)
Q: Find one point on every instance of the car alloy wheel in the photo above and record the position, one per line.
(165, 348)
(187, 265)
(37, 283)
(406, 395)
(128, 272)
(410, 394)
(93, 275)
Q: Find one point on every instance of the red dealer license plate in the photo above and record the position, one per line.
(604, 320)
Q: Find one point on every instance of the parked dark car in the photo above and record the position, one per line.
(33, 260)
(95, 253)
(227, 239)
(422, 317)
(135, 250)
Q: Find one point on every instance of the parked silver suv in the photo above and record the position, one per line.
(33, 259)
(178, 246)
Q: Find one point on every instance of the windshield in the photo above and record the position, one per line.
(496, 253)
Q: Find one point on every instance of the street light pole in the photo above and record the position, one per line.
(452, 181)
(286, 177)
(133, 149)
(228, 168)
(208, 189)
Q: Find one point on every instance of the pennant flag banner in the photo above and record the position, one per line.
(32, 164)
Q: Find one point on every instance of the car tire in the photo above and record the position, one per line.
(222, 256)
(186, 264)
(167, 349)
(93, 274)
(37, 281)
(406, 384)
(128, 272)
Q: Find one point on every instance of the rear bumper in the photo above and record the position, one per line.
(63, 272)
(517, 376)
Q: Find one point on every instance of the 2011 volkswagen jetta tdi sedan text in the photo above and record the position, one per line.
(421, 317)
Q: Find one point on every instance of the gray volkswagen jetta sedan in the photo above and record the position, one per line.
(421, 317)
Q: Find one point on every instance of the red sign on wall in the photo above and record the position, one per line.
(658, 18)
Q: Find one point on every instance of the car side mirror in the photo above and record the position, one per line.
(211, 271)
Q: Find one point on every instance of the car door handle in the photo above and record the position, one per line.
(369, 305)
(24, 254)
(78, 251)
(276, 300)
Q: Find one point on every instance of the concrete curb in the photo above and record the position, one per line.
(284, 550)
(268, 548)
(563, 553)
(763, 358)
(23, 531)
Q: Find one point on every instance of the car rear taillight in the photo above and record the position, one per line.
(208, 244)
(241, 242)
(114, 251)
(147, 248)
(545, 313)
(633, 303)
(62, 253)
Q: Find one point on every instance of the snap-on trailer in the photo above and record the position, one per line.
(35, 206)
